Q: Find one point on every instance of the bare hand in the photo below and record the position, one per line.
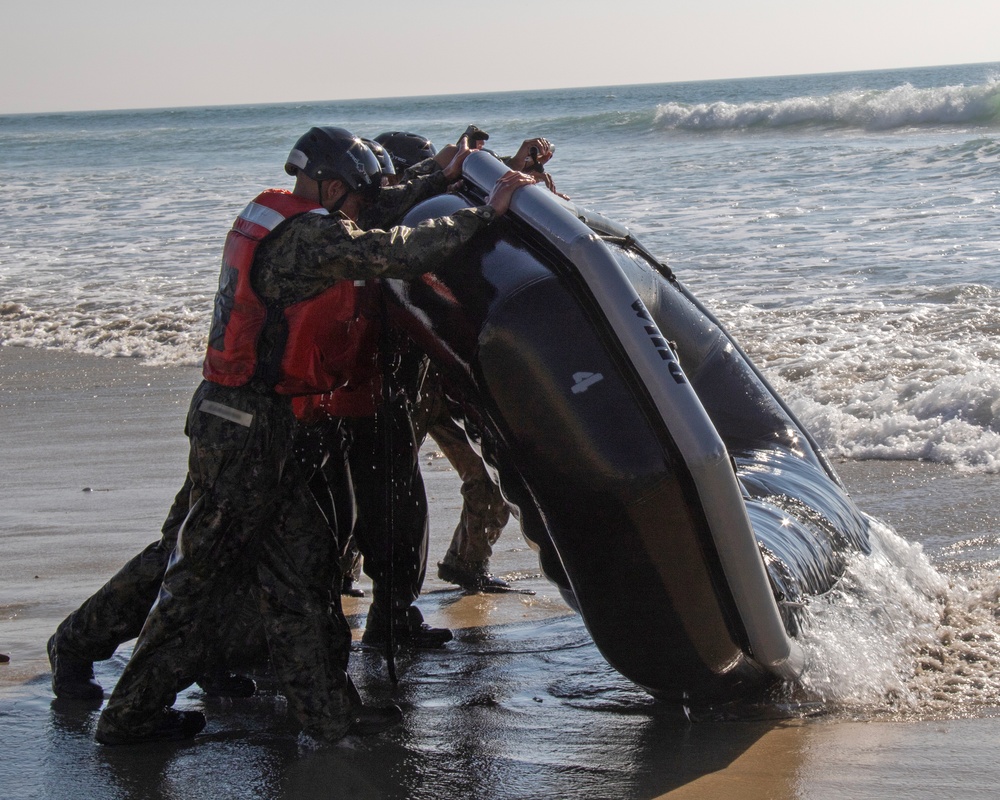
(504, 188)
(454, 169)
(445, 155)
(524, 158)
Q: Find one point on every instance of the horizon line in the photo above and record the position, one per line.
(383, 98)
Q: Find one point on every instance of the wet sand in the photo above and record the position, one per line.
(521, 705)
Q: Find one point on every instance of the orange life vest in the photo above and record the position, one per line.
(325, 335)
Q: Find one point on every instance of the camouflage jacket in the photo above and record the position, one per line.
(421, 181)
(309, 253)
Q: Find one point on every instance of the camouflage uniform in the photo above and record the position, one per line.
(484, 512)
(248, 497)
(116, 612)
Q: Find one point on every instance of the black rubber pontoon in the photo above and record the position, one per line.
(672, 496)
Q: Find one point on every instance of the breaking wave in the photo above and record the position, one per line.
(900, 107)
(158, 337)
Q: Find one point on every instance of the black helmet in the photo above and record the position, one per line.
(406, 149)
(380, 153)
(326, 154)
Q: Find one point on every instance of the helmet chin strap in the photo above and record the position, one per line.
(340, 201)
(336, 206)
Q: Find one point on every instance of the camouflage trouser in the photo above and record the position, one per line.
(116, 612)
(484, 512)
(249, 519)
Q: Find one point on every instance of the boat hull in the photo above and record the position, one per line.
(671, 495)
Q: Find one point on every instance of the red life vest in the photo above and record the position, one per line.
(362, 393)
(326, 334)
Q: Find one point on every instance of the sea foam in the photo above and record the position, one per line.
(912, 381)
(897, 637)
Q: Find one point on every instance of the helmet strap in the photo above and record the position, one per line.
(336, 206)
(339, 203)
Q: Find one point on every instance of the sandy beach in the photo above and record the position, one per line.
(521, 705)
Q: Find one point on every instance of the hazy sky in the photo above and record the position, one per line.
(62, 56)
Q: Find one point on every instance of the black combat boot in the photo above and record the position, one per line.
(472, 579)
(72, 677)
(409, 629)
(169, 725)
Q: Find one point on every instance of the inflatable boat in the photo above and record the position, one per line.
(670, 493)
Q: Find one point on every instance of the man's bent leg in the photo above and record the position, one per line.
(307, 633)
(114, 614)
(234, 460)
(392, 531)
(484, 513)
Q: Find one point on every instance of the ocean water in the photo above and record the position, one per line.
(846, 228)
